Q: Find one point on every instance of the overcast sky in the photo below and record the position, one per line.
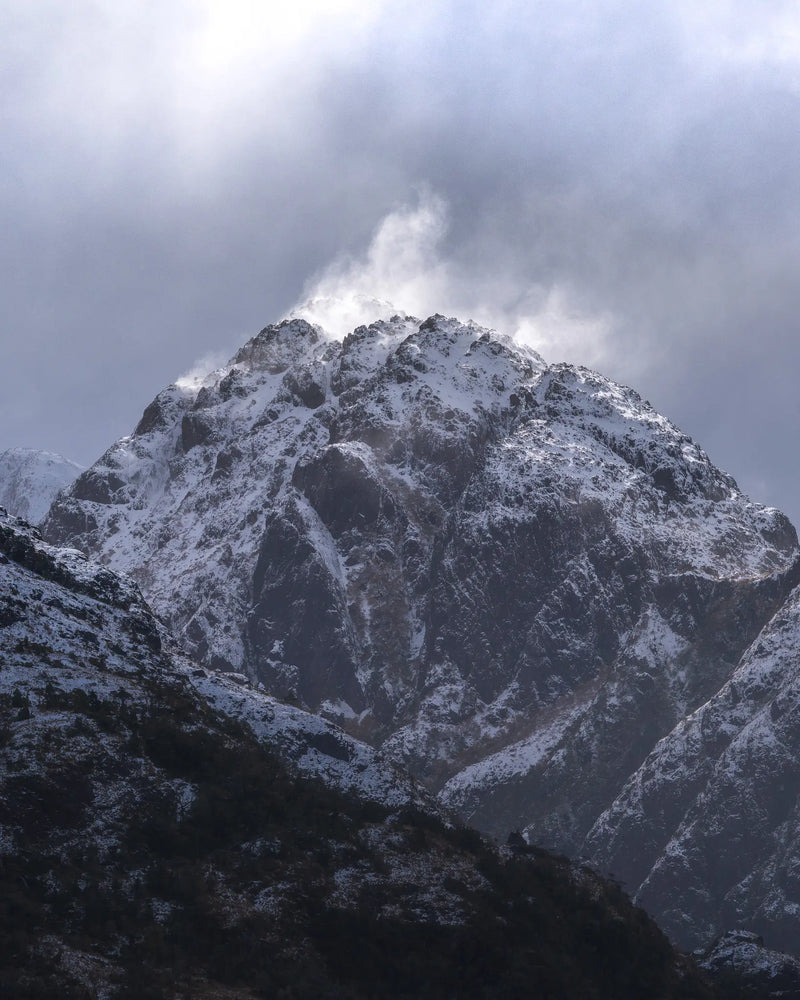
(617, 181)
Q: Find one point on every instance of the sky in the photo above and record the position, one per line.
(616, 182)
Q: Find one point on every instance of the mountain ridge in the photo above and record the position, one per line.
(516, 578)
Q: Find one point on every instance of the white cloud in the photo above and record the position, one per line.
(406, 270)
(402, 271)
(183, 83)
(562, 332)
(192, 379)
(737, 34)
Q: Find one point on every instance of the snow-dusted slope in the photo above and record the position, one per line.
(707, 830)
(751, 970)
(98, 630)
(30, 479)
(516, 578)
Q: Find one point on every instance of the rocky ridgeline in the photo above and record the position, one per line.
(514, 578)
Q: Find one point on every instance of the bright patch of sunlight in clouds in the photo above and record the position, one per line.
(231, 33)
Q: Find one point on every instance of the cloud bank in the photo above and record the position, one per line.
(616, 182)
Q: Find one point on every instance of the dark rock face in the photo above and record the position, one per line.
(97, 487)
(515, 578)
(195, 430)
(292, 583)
(152, 419)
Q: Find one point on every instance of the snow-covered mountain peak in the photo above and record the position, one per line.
(277, 347)
(424, 418)
(514, 577)
(30, 479)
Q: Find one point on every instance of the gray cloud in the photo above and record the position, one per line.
(619, 180)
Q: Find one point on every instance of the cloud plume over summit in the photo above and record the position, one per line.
(404, 269)
(617, 182)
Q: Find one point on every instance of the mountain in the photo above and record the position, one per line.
(30, 479)
(515, 578)
(744, 969)
(708, 827)
(167, 833)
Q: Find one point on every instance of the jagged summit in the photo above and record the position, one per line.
(514, 577)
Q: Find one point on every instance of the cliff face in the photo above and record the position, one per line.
(515, 578)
